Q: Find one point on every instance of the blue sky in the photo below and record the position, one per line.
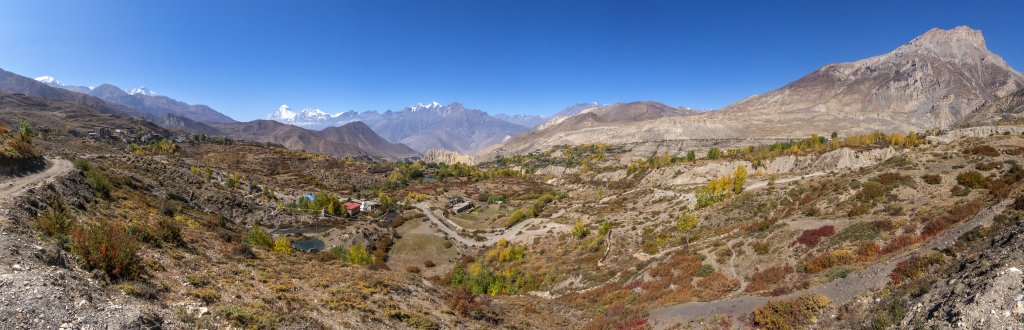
(245, 58)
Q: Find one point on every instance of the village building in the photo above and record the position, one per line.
(353, 208)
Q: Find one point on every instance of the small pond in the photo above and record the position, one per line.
(309, 244)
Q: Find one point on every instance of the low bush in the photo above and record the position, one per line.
(109, 248)
(898, 243)
(791, 313)
(55, 222)
(811, 237)
(412, 269)
(765, 279)
(982, 150)
(258, 237)
(251, 317)
(861, 231)
(859, 210)
(828, 260)
(958, 213)
(932, 179)
(888, 178)
(916, 266)
(283, 245)
(206, 295)
(972, 179)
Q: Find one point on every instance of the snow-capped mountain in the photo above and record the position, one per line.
(283, 114)
(421, 106)
(49, 80)
(142, 91)
(420, 126)
(53, 82)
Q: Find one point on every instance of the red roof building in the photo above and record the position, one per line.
(352, 208)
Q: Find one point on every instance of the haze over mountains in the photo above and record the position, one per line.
(934, 81)
(421, 126)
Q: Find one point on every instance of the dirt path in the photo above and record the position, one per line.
(840, 291)
(452, 229)
(764, 183)
(13, 186)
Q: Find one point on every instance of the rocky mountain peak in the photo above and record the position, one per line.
(944, 38)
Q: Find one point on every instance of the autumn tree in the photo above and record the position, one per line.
(686, 223)
(739, 177)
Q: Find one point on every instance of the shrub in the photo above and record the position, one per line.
(109, 248)
(972, 179)
(888, 178)
(97, 179)
(763, 280)
(249, 317)
(871, 191)
(168, 231)
(259, 237)
(983, 150)
(790, 313)
(811, 237)
(55, 221)
(762, 247)
(283, 245)
(206, 295)
(898, 243)
(579, 231)
(829, 260)
(428, 264)
(412, 269)
(958, 213)
(861, 231)
(340, 252)
(931, 179)
(705, 270)
(358, 255)
(916, 266)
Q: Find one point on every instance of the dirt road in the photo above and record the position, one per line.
(12, 186)
(840, 291)
(452, 229)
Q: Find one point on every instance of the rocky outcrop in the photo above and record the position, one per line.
(442, 156)
(975, 132)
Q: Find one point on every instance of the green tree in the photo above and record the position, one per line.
(686, 223)
(714, 153)
(259, 237)
(739, 177)
(691, 156)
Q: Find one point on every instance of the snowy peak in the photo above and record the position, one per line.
(421, 106)
(142, 91)
(283, 113)
(313, 114)
(49, 80)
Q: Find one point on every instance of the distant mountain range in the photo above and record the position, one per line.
(144, 100)
(422, 126)
(355, 139)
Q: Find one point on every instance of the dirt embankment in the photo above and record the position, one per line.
(40, 285)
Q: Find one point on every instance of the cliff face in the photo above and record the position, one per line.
(446, 157)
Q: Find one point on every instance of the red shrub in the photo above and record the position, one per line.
(898, 243)
(811, 237)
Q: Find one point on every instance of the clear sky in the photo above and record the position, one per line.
(245, 58)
